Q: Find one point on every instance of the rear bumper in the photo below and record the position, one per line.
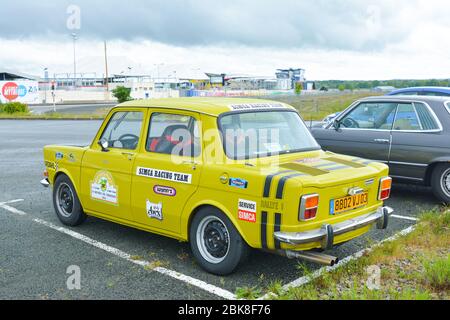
(45, 182)
(326, 234)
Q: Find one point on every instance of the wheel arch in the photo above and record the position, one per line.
(431, 167)
(65, 172)
(211, 204)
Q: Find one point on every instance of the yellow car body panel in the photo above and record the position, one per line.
(275, 186)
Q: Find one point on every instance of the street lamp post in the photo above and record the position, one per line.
(75, 38)
(46, 83)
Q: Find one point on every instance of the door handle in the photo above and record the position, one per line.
(382, 141)
(130, 155)
(193, 163)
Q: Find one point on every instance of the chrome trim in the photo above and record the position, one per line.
(296, 238)
(409, 164)
(302, 208)
(354, 191)
(314, 257)
(407, 178)
(417, 116)
(45, 182)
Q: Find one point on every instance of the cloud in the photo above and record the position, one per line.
(325, 24)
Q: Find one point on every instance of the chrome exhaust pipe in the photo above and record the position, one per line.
(314, 257)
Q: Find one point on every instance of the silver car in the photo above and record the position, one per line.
(409, 133)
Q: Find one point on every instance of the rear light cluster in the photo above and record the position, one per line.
(385, 188)
(309, 205)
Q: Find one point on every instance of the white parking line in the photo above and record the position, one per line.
(12, 209)
(11, 201)
(121, 254)
(306, 279)
(404, 217)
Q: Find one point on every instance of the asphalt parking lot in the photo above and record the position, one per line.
(35, 254)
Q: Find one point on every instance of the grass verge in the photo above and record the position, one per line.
(412, 267)
(318, 107)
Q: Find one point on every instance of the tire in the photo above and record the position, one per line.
(231, 249)
(440, 182)
(66, 202)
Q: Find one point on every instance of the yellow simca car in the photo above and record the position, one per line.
(226, 175)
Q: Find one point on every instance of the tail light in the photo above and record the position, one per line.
(309, 205)
(385, 188)
(45, 174)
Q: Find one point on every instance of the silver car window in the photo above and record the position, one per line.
(407, 118)
(370, 115)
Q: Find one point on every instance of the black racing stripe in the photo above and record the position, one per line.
(268, 183)
(264, 229)
(277, 228)
(282, 183)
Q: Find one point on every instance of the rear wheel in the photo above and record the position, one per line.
(66, 203)
(440, 182)
(216, 244)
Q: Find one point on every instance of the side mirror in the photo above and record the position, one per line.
(336, 125)
(104, 144)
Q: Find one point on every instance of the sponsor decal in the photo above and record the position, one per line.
(51, 165)
(164, 175)
(308, 160)
(59, 155)
(238, 183)
(272, 205)
(71, 157)
(103, 188)
(247, 210)
(154, 210)
(165, 191)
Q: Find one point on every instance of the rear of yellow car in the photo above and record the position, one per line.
(329, 202)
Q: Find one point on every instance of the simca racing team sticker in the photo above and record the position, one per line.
(165, 191)
(247, 210)
(164, 175)
(154, 210)
(256, 106)
(103, 188)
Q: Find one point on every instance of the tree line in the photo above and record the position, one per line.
(359, 84)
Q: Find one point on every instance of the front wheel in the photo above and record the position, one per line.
(66, 203)
(216, 244)
(440, 182)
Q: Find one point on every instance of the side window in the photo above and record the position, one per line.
(173, 134)
(370, 116)
(426, 120)
(406, 118)
(123, 130)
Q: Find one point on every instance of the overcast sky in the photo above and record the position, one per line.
(331, 39)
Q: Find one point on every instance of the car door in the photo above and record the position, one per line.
(364, 131)
(106, 174)
(416, 141)
(167, 171)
